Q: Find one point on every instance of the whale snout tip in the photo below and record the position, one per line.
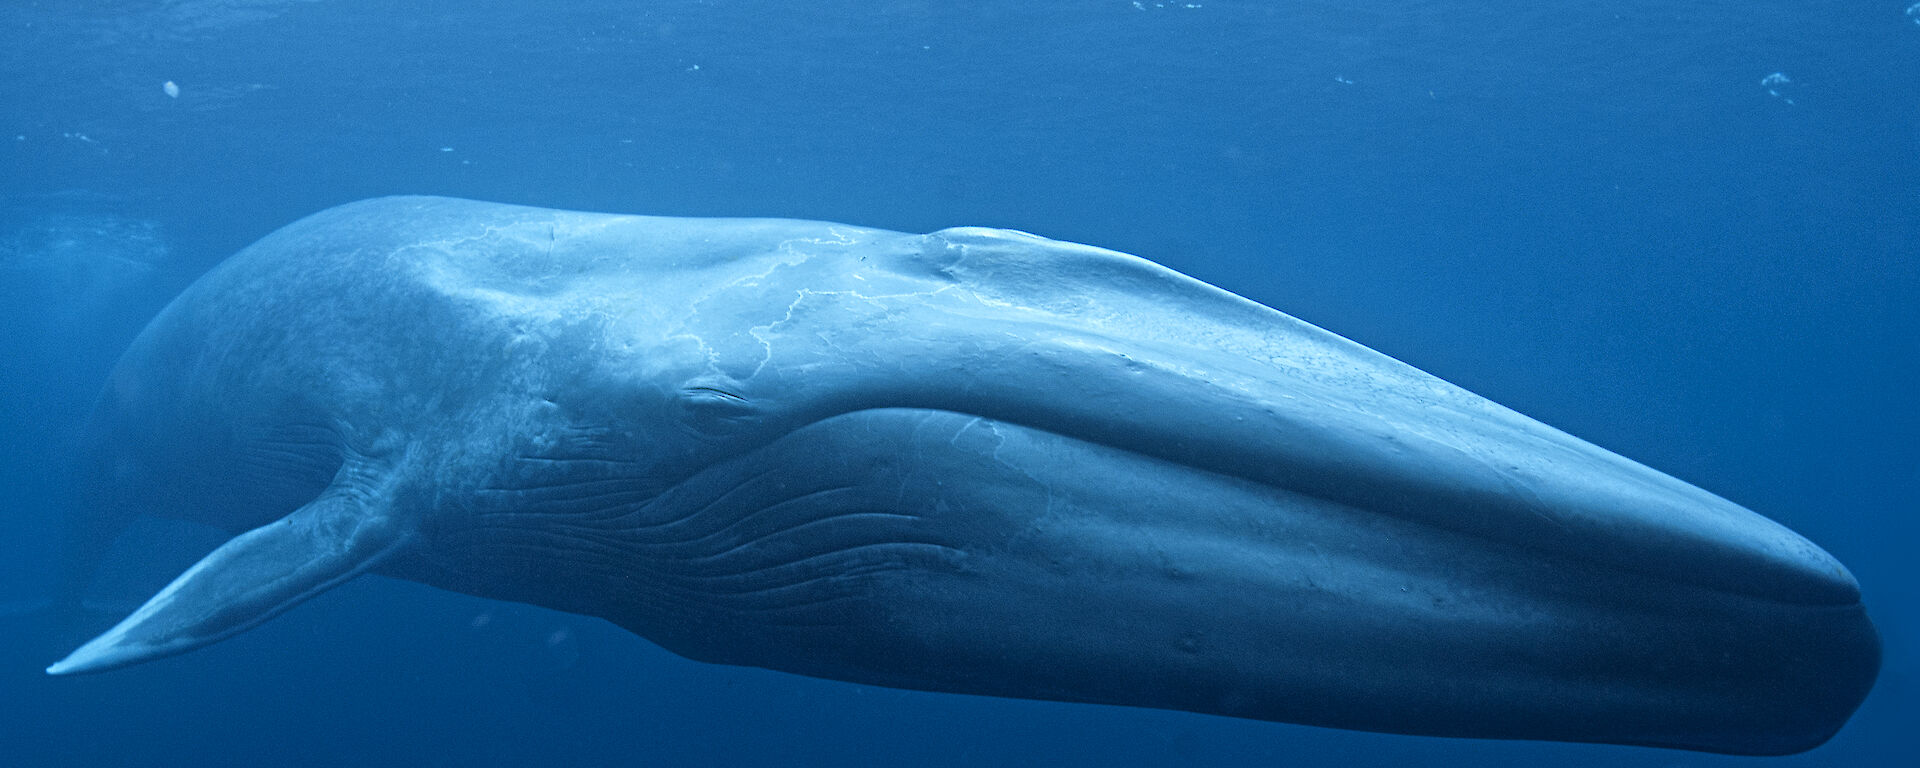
(1813, 653)
(1825, 580)
(1825, 574)
(1783, 566)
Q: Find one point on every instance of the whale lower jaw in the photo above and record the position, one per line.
(941, 551)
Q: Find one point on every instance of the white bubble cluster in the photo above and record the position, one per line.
(1774, 83)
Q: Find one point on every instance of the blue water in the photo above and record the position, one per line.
(1688, 232)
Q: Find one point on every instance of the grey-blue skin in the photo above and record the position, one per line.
(973, 461)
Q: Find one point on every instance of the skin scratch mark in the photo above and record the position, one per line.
(766, 343)
(764, 333)
(971, 423)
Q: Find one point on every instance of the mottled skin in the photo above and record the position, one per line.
(974, 461)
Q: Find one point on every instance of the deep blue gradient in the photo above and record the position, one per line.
(1597, 214)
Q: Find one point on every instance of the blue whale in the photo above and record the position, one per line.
(973, 461)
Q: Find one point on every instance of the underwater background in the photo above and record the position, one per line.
(1686, 231)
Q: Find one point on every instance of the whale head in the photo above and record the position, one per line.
(975, 461)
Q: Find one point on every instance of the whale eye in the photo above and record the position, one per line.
(710, 403)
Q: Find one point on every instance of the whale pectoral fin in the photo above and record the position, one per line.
(250, 579)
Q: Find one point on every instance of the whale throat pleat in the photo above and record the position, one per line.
(734, 540)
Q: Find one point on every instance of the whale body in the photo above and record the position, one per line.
(973, 461)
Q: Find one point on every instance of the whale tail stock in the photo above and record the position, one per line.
(250, 579)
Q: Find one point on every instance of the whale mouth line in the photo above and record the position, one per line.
(613, 493)
(1632, 522)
